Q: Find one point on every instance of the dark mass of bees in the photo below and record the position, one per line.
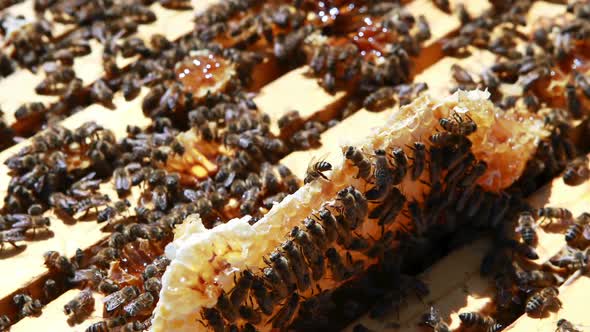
(210, 151)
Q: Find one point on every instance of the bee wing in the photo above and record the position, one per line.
(113, 301)
(22, 224)
(586, 232)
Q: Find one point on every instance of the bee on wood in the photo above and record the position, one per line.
(288, 178)
(131, 86)
(580, 226)
(27, 306)
(477, 319)
(115, 300)
(526, 228)
(542, 299)
(81, 305)
(576, 171)
(107, 325)
(359, 160)
(537, 278)
(6, 65)
(57, 263)
(285, 314)
(315, 170)
(29, 110)
(4, 323)
(141, 304)
(50, 289)
(433, 320)
(176, 4)
(92, 202)
(462, 76)
(548, 213)
(110, 212)
(11, 236)
(90, 277)
(380, 99)
(563, 325)
(101, 93)
(122, 180)
(63, 202)
(572, 259)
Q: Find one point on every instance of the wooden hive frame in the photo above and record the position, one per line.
(467, 292)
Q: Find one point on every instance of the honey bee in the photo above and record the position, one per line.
(101, 93)
(92, 202)
(580, 226)
(110, 212)
(107, 286)
(11, 236)
(104, 256)
(90, 277)
(4, 323)
(115, 300)
(50, 289)
(359, 160)
(27, 306)
(329, 223)
(29, 110)
(242, 288)
(310, 251)
(542, 299)
(563, 325)
(477, 319)
(122, 180)
(419, 160)
(340, 271)
(433, 320)
(526, 228)
(572, 259)
(213, 319)
(445, 139)
(548, 213)
(384, 179)
(457, 125)
(297, 264)
(582, 83)
(380, 99)
(353, 207)
(387, 211)
(57, 263)
(289, 179)
(285, 314)
(315, 170)
(81, 305)
(576, 171)
(141, 304)
(152, 285)
(107, 325)
(225, 307)
(537, 278)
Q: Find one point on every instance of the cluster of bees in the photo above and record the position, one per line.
(67, 170)
(31, 45)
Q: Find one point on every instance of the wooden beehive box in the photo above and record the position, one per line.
(454, 281)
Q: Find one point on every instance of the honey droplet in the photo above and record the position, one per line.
(202, 73)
